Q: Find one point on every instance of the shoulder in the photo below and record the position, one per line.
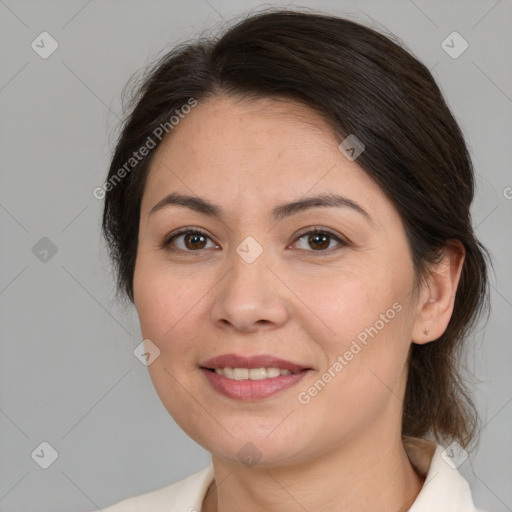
(444, 488)
(185, 495)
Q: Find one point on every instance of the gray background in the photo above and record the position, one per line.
(68, 374)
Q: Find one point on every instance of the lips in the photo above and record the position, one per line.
(249, 389)
(259, 361)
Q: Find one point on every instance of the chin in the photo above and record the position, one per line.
(253, 447)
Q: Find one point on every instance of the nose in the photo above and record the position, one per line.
(250, 297)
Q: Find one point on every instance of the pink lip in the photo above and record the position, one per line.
(251, 389)
(260, 361)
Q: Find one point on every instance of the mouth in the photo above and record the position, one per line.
(251, 378)
(251, 373)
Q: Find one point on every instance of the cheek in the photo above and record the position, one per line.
(171, 306)
(161, 298)
(345, 305)
(165, 306)
(361, 320)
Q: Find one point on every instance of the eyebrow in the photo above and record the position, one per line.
(205, 207)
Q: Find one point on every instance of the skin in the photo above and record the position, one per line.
(341, 451)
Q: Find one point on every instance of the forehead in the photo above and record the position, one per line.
(224, 129)
(255, 153)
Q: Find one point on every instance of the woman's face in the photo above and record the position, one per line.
(255, 289)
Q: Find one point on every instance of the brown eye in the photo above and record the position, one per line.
(319, 240)
(194, 241)
(186, 240)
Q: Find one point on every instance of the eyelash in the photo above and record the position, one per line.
(166, 242)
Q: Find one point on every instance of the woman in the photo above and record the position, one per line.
(288, 208)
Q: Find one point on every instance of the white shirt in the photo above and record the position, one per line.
(444, 489)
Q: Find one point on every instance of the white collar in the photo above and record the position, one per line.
(444, 489)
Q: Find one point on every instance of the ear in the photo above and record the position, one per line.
(437, 296)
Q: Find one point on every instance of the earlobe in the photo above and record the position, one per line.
(437, 298)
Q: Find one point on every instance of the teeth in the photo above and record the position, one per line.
(240, 373)
(251, 373)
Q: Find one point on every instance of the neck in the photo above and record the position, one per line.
(357, 477)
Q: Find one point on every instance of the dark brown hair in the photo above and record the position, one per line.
(362, 83)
